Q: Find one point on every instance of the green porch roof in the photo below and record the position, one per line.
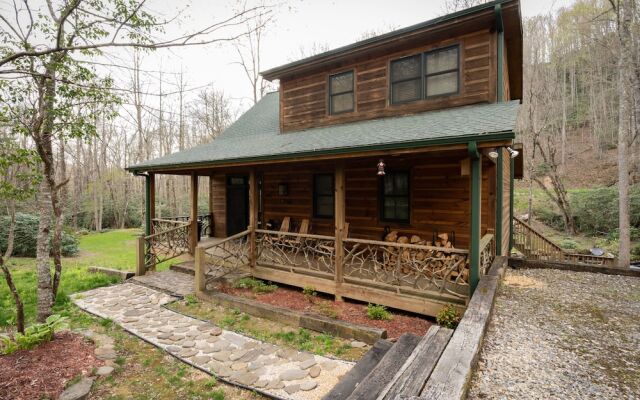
(256, 135)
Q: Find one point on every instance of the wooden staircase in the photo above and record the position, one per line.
(535, 246)
(389, 370)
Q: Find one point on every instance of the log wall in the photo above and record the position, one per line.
(304, 100)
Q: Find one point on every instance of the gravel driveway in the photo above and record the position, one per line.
(561, 335)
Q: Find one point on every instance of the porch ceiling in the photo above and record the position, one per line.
(256, 136)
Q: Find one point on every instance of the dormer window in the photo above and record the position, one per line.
(341, 97)
(422, 76)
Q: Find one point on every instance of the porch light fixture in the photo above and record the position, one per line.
(512, 152)
(493, 154)
(381, 166)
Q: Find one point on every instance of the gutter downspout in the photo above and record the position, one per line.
(500, 30)
(476, 219)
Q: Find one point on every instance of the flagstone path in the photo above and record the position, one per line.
(269, 369)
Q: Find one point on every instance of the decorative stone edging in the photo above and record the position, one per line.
(123, 275)
(317, 323)
(231, 357)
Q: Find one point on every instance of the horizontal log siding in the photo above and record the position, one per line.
(439, 197)
(304, 99)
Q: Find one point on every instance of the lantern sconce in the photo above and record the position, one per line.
(381, 166)
(283, 189)
(493, 154)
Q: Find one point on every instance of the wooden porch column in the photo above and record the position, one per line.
(150, 214)
(499, 200)
(211, 221)
(339, 215)
(253, 216)
(193, 219)
(476, 217)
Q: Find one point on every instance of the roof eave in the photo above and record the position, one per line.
(485, 137)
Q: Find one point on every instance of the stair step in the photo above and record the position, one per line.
(386, 369)
(415, 371)
(186, 267)
(351, 379)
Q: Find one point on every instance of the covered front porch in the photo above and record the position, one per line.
(414, 233)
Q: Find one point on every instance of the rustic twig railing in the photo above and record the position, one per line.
(163, 245)
(296, 252)
(534, 245)
(409, 266)
(218, 259)
(487, 252)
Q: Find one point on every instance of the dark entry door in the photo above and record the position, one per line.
(237, 204)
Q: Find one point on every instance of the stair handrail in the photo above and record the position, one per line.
(539, 234)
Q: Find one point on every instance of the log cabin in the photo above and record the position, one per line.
(381, 171)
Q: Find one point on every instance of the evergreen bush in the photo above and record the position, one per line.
(26, 234)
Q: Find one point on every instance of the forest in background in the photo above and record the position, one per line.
(66, 140)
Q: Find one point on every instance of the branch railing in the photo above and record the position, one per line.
(487, 252)
(296, 252)
(401, 266)
(170, 240)
(218, 259)
(205, 223)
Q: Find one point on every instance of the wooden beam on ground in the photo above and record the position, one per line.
(339, 216)
(193, 218)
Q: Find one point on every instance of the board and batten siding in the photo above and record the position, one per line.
(304, 100)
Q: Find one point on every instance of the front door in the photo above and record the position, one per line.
(237, 204)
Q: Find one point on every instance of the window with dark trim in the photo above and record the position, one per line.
(394, 192)
(426, 75)
(341, 98)
(323, 192)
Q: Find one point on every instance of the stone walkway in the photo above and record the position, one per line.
(170, 282)
(278, 372)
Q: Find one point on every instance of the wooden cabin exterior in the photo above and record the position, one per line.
(406, 136)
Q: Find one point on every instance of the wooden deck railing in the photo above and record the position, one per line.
(170, 240)
(534, 245)
(217, 259)
(487, 252)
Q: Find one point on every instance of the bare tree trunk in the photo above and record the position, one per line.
(11, 208)
(45, 294)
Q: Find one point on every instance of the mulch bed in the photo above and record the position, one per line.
(42, 372)
(347, 311)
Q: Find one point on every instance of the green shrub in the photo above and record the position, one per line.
(635, 251)
(33, 335)
(26, 233)
(328, 310)
(376, 311)
(256, 285)
(448, 317)
(549, 217)
(596, 211)
(309, 293)
(568, 244)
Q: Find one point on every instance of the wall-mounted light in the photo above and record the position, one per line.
(493, 154)
(381, 166)
(283, 189)
(512, 152)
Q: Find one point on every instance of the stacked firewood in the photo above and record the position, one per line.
(442, 263)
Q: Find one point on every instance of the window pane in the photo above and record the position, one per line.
(405, 91)
(342, 102)
(405, 68)
(442, 84)
(402, 208)
(342, 83)
(324, 206)
(324, 184)
(401, 184)
(442, 60)
(389, 208)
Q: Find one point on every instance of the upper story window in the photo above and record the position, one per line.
(425, 75)
(341, 97)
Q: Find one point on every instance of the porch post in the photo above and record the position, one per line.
(150, 203)
(339, 215)
(499, 202)
(476, 201)
(253, 217)
(511, 191)
(193, 231)
(211, 221)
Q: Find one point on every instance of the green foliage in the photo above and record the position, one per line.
(549, 217)
(19, 174)
(26, 233)
(596, 211)
(327, 309)
(635, 251)
(33, 335)
(256, 285)
(448, 317)
(378, 312)
(191, 299)
(217, 394)
(569, 244)
(309, 293)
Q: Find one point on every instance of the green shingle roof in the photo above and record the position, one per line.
(256, 135)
